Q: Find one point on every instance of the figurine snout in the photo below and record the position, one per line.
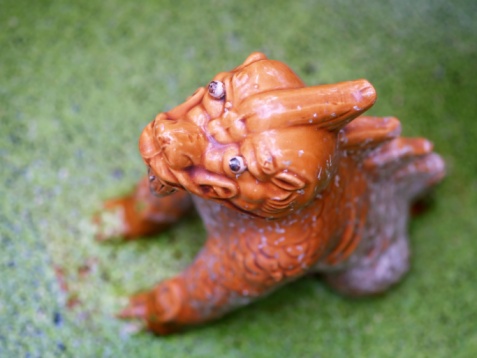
(148, 146)
(181, 143)
(173, 149)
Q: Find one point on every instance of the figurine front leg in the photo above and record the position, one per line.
(140, 213)
(223, 277)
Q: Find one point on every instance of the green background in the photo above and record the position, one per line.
(80, 79)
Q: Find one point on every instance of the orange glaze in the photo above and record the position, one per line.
(287, 179)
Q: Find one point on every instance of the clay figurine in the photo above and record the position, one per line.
(288, 180)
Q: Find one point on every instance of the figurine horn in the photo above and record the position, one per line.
(329, 106)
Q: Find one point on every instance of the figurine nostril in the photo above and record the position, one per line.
(151, 176)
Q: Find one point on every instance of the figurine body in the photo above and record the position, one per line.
(288, 180)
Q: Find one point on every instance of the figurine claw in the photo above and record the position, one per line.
(156, 308)
(136, 308)
(136, 313)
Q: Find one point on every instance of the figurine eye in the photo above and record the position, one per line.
(217, 89)
(237, 165)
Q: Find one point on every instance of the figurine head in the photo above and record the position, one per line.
(255, 139)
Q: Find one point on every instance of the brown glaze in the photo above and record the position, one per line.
(288, 180)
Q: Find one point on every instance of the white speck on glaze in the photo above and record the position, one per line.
(319, 173)
(337, 181)
(279, 240)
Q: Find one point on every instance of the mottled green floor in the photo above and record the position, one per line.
(79, 80)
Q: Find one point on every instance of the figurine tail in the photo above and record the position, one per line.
(410, 163)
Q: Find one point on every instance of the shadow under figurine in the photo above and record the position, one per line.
(287, 179)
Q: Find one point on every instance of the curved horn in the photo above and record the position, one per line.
(329, 106)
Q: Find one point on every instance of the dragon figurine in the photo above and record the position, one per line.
(288, 180)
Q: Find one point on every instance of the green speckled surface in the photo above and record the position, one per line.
(78, 82)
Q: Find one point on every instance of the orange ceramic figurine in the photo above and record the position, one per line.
(288, 180)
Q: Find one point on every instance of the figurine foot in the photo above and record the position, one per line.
(156, 308)
(125, 218)
(373, 277)
(140, 213)
(109, 223)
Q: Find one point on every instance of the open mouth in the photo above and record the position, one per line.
(158, 187)
(161, 190)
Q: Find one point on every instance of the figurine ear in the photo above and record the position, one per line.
(288, 181)
(253, 57)
(210, 185)
(328, 106)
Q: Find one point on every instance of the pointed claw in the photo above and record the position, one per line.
(131, 312)
(136, 308)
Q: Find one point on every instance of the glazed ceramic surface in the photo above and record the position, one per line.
(288, 180)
